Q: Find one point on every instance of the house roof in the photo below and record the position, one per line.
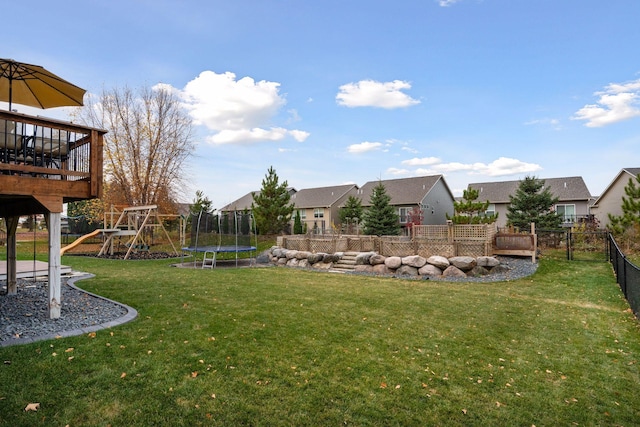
(321, 197)
(246, 201)
(570, 188)
(403, 191)
(632, 172)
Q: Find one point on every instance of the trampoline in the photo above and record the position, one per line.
(216, 236)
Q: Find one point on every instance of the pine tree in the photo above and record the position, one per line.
(271, 207)
(630, 218)
(381, 219)
(533, 203)
(297, 223)
(351, 213)
(470, 211)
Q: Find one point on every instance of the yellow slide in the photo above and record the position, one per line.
(78, 241)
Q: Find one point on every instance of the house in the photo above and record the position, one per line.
(572, 193)
(319, 207)
(245, 202)
(610, 201)
(429, 194)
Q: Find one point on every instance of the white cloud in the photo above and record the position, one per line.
(616, 103)
(396, 171)
(239, 111)
(500, 167)
(445, 3)
(424, 161)
(369, 93)
(364, 147)
(554, 123)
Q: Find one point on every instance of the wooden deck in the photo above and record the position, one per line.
(29, 270)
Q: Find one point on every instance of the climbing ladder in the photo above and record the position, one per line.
(131, 223)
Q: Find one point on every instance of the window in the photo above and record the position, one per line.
(303, 213)
(318, 213)
(403, 213)
(568, 212)
(491, 210)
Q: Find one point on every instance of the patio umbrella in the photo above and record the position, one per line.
(34, 86)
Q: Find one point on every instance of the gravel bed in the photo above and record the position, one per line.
(24, 317)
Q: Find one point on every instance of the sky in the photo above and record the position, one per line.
(335, 92)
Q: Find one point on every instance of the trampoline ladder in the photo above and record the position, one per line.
(212, 259)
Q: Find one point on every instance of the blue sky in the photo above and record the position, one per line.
(333, 92)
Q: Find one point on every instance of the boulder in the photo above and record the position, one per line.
(393, 262)
(293, 262)
(279, 252)
(453, 271)
(303, 263)
(381, 269)
(322, 265)
(291, 254)
(377, 259)
(406, 270)
(464, 263)
(363, 258)
(303, 254)
(363, 268)
(478, 270)
(430, 270)
(487, 261)
(313, 258)
(282, 261)
(438, 261)
(329, 258)
(264, 258)
(414, 261)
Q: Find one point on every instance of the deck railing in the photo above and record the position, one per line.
(39, 147)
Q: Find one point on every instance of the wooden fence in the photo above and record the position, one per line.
(425, 240)
(518, 244)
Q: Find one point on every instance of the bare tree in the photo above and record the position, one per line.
(147, 146)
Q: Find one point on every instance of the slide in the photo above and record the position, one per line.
(78, 241)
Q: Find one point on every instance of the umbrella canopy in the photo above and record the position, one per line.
(34, 86)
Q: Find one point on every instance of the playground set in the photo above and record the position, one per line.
(129, 231)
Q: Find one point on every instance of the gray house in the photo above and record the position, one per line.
(573, 194)
(430, 194)
(610, 201)
(319, 207)
(246, 201)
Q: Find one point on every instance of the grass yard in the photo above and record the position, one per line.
(276, 346)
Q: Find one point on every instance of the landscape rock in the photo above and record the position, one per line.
(303, 255)
(363, 258)
(363, 268)
(377, 259)
(330, 258)
(303, 263)
(464, 263)
(381, 269)
(487, 261)
(414, 261)
(282, 261)
(291, 254)
(499, 269)
(313, 258)
(453, 271)
(293, 262)
(322, 265)
(406, 270)
(430, 270)
(438, 261)
(393, 262)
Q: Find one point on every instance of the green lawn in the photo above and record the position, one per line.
(276, 346)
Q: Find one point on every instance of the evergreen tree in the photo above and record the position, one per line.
(630, 218)
(352, 211)
(200, 203)
(381, 219)
(533, 203)
(470, 210)
(271, 207)
(297, 223)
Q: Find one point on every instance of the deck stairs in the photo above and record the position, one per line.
(347, 262)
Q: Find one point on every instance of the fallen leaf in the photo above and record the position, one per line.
(383, 385)
(91, 334)
(32, 407)
(124, 374)
(464, 411)
(69, 350)
(194, 374)
(398, 386)
(70, 358)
